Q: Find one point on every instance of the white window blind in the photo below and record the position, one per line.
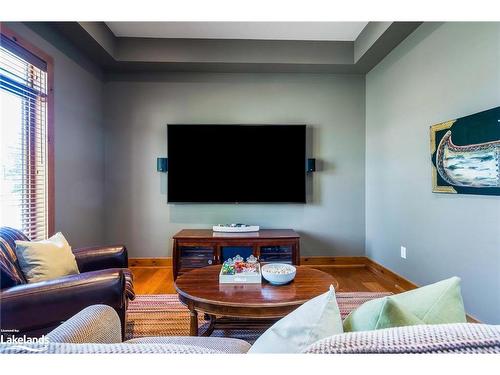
(23, 140)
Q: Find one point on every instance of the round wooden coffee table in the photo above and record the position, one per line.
(256, 305)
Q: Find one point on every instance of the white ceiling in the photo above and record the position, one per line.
(340, 31)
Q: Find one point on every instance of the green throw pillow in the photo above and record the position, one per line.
(432, 304)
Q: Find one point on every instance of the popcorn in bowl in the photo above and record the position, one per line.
(278, 273)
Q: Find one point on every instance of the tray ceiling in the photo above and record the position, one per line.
(326, 31)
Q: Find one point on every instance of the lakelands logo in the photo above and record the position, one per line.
(23, 343)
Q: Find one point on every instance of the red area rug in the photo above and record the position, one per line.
(164, 315)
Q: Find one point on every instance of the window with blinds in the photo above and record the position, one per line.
(23, 140)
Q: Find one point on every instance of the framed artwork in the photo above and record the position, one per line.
(465, 154)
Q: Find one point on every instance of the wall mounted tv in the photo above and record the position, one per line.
(236, 163)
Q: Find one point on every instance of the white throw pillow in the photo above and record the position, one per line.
(47, 259)
(314, 320)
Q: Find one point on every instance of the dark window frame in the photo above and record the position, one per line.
(49, 61)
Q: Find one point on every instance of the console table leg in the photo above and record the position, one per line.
(193, 322)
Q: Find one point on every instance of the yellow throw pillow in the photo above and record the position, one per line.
(47, 259)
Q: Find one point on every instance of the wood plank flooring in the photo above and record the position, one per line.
(159, 280)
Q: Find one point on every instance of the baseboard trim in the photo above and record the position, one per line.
(150, 262)
(325, 261)
(399, 281)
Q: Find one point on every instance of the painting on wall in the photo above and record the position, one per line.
(465, 154)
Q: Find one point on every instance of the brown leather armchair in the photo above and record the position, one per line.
(33, 309)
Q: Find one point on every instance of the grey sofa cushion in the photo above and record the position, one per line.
(438, 338)
(94, 324)
(96, 329)
(218, 344)
(122, 348)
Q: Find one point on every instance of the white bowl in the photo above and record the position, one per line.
(278, 278)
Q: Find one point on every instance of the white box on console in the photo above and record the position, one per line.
(242, 277)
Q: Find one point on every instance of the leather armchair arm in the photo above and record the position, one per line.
(101, 257)
(36, 308)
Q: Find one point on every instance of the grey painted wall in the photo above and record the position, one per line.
(441, 72)
(136, 114)
(79, 145)
(154, 50)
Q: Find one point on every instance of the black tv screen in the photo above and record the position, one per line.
(236, 163)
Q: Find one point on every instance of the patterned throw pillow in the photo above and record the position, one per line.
(11, 274)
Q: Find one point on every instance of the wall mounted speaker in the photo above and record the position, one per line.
(311, 165)
(162, 164)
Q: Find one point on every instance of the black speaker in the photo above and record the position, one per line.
(311, 165)
(162, 164)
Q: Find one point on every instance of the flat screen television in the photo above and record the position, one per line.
(236, 163)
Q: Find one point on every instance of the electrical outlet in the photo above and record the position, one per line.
(403, 252)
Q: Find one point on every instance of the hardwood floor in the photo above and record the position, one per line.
(153, 280)
(351, 278)
(159, 280)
